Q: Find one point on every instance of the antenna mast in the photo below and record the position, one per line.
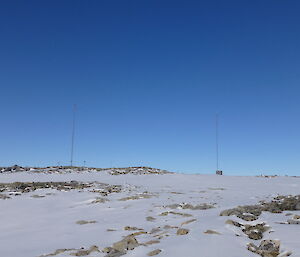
(73, 134)
(217, 141)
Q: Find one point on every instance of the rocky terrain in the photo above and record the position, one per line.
(69, 169)
(142, 211)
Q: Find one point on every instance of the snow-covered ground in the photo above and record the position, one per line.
(39, 225)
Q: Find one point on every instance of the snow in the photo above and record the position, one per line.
(31, 227)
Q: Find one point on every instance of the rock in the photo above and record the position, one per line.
(135, 171)
(154, 252)
(272, 207)
(136, 197)
(138, 233)
(149, 218)
(252, 247)
(175, 213)
(111, 252)
(294, 222)
(255, 232)
(234, 223)
(217, 188)
(188, 222)
(212, 232)
(170, 227)
(155, 230)
(182, 231)
(296, 217)
(93, 248)
(99, 200)
(244, 211)
(203, 206)
(25, 187)
(283, 203)
(173, 206)
(267, 248)
(83, 222)
(151, 242)
(255, 235)
(230, 212)
(278, 205)
(37, 196)
(132, 228)
(15, 168)
(247, 217)
(128, 243)
(161, 235)
(120, 248)
(107, 249)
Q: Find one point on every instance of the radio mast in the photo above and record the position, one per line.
(218, 172)
(217, 141)
(73, 134)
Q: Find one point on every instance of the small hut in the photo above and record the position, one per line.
(219, 172)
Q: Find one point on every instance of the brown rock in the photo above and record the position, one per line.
(212, 232)
(155, 252)
(83, 222)
(182, 231)
(128, 243)
(188, 222)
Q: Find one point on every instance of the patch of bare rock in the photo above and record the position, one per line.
(14, 168)
(70, 169)
(182, 231)
(203, 206)
(99, 200)
(26, 187)
(267, 248)
(217, 188)
(84, 222)
(154, 252)
(293, 222)
(37, 196)
(136, 171)
(151, 219)
(151, 242)
(175, 213)
(212, 232)
(254, 232)
(188, 222)
(121, 247)
(252, 212)
(136, 197)
(132, 228)
(92, 249)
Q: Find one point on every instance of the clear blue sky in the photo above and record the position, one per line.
(148, 78)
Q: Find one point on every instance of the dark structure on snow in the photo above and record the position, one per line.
(219, 172)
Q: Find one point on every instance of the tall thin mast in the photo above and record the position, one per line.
(73, 133)
(217, 141)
